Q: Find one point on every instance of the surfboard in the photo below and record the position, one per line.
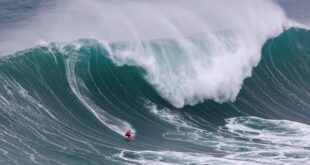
(131, 139)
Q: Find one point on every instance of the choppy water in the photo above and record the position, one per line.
(195, 87)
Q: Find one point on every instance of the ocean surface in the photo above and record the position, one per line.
(198, 82)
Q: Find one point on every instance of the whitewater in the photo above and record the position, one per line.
(198, 82)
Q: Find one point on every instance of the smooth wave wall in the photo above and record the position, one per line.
(70, 103)
(189, 55)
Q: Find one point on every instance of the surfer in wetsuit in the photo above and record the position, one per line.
(128, 134)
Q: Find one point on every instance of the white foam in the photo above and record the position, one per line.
(191, 51)
(279, 132)
(206, 56)
(80, 90)
(170, 157)
(249, 139)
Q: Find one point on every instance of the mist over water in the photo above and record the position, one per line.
(198, 82)
(205, 35)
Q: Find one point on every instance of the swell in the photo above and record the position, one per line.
(195, 54)
(277, 84)
(70, 102)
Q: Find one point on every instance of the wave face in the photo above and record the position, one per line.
(208, 55)
(71, 103)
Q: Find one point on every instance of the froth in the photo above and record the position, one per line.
(206, 55)
(191, 51)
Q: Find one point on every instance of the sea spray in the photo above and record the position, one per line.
(191, 51)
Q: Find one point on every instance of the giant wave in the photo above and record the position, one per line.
(56, 98)
(190, 93)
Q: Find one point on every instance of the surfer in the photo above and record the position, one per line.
(128, 134)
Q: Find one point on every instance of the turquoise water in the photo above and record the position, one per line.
(66, 104)
(232, 96)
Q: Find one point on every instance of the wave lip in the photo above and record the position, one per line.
(189, 57)
(210, 63)
(95, 101)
